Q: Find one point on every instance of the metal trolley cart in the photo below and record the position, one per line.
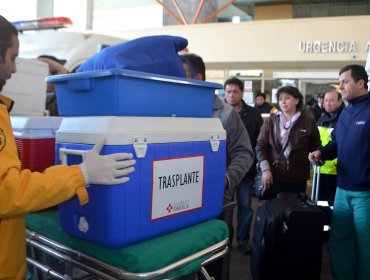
(172, 256)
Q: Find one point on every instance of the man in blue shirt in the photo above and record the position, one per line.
(349, 239)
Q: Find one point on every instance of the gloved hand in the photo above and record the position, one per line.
(104, 169)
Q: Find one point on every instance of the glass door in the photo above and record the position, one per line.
(312, 88)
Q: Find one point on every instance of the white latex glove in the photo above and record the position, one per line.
(104, 169)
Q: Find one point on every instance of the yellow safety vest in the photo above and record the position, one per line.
(330, 166)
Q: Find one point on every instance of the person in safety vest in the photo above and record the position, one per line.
(333, 105)
(23, 191)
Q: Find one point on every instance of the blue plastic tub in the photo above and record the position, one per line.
(178, 179)
(119, 92)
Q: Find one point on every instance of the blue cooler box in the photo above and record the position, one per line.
(119, 92)
(178, 179)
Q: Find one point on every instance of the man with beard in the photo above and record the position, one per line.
(23, 191)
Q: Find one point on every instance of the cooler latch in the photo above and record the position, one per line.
(83, 225)
(215, 143)
(140, 146)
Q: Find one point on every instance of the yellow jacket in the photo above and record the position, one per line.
(23, 191)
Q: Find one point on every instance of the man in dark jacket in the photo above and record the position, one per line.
(328, 179)
(314, 109)
(349, 237)
(252, 121)
(261, 105)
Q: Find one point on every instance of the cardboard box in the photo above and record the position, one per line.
(27, 87)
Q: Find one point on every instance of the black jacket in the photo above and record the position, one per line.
(263, 109)
(317, 112)
(328, 120)
(252, 121)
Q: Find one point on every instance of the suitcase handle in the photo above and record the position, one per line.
(63, 152)
(315, 183)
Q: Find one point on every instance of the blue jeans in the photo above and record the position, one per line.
(244, 210)
(350, 235)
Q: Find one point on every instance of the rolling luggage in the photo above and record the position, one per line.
(287, 239)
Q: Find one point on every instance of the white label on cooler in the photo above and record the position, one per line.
(177, 186)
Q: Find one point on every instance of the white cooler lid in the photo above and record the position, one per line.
(35, 127)
(126, 130)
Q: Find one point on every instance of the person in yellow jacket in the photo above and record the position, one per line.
(23, 191)
(328, 178)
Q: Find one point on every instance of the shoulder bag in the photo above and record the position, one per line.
(258, 190)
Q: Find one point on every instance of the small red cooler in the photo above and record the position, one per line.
(35, 139)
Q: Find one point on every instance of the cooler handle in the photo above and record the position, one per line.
(63, 152)
(80, 85)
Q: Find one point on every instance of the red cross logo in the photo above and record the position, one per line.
(169, 208)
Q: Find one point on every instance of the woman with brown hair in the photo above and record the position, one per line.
(283, 145)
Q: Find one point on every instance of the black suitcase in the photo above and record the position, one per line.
(287, 239)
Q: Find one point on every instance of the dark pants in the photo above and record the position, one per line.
(244, 193)
(220, 268)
